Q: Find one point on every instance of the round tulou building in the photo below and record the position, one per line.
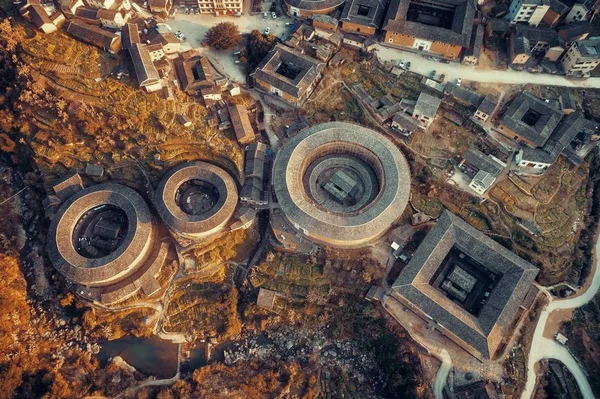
(196, 199)
(341, 184)
(103, 238)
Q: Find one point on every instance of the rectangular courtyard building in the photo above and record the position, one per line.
(288, 74)
(438, 27)
(469, 285)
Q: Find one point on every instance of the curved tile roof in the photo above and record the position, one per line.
(343, 230)
(201, 225)
(117, 265)
(314, 5)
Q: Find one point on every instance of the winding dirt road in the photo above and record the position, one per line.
(546, 348)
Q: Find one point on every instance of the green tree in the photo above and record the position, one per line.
(223, 36)
(258, 46)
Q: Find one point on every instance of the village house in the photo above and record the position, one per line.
(193, 72)
(69, 7)
(425, 109)
(112, 19)
(441, 27)
(145, 72)
(160, 6)
(471, 55)
(242, 127)
(44, 16)
(289, 74)
(210, 94)
(531, 42)
(529, 119)
(582, 57)
(325, 23)
(556, 10)
(94, 35)
(574, 138)
(362, 17)
(156, 52)
(530, 12)
(87, 15)
(497, 28)
(404, 124)
(575, 31)
(485, 109)
(359, 42)
(216, 7)
(130, 35)
(582, 10)
(483, 169)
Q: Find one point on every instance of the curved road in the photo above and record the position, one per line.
(545, 348)
(442, 375)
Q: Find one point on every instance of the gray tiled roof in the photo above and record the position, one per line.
(405, 122)
(499, 25)
(202, 224)
(520, 45)
(479, 160)
(484, 333)
(427, 105)
(559, 7)
(543, 128)
(459, 34)
(575, 30)
(560, 141)
(488, 105)
(476, 44)
(464, 95)
(310, 70)
(539, 34)
(373, 19)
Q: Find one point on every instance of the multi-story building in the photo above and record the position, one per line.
(527, 11)
(216, 7)
(582, 10)
(582, 56)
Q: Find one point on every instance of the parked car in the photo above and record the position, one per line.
(267, 31)
(265, 15)
(442, 77)
(237, 53)
(274, 15)
(433, 73)
(444, 61)
(458, 82)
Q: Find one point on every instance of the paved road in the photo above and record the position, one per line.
(442, 375)
(544, 348)
(454, 71)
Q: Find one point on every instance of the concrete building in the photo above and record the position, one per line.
(582, 10)
(103, 240)
(532, 42)
(425, 109)
(349, 209)
(310, 8)
(242, 127)
(575, 31)
(582, 57)
(362, 17)
(530, 12)
(196, 199)
(529, 119)
(215, 7)
(557, 9)
(94, 35)
(145, 72)
(441, 28)
(466, 285)
(483, 169)
(288, 74)
(486, 108)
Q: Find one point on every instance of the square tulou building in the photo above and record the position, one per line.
(469, 285)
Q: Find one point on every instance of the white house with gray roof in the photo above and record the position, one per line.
(425, 109)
